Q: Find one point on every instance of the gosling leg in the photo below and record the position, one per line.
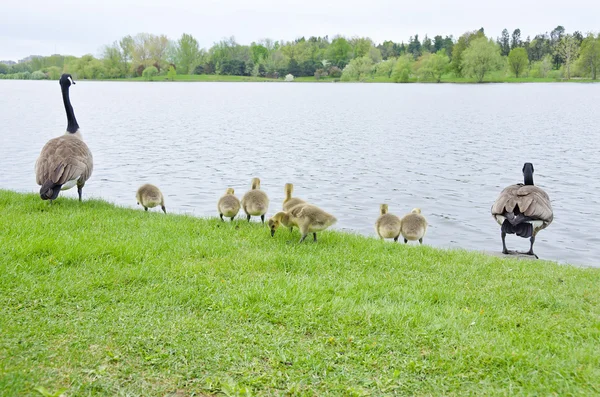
(262, 218)
(163, 208)
(315, 237)
(248, 218)
(221, 216)
(79, 191)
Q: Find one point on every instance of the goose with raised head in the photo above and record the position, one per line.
(65, 161)
(255, 202)
(387, 225)
(290, 202)
(522, 209)
(413, 226)
(228, 204)
(308, 218)
(149, 196)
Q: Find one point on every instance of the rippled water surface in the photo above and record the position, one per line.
(448, 149)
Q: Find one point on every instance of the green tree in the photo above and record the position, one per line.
(589, 60)
(359, 69)
(3, 68)
(569, 51)
(481, 57)
(461, 45)
(402, 68)
(187, 53)
(149, 73)
(504, 43)
(517, 59)
(433, 66)
(361, 46)
(171, 73)
(339, 52)
(516, 39)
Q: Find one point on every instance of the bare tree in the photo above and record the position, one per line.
(569, 51)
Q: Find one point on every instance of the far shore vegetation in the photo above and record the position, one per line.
(473, 57)
(101, 300)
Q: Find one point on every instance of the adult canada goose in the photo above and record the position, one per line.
(65, 161)
(387, 225)
(522, 209)
(289, 202)
(255, 202)
(308, 218)
(413, 226)
(228, 204)
(149, 196)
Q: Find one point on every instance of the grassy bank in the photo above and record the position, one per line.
(101, 300)
(493, 78)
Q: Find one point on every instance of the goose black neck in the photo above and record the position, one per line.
(528, 176)
(72, 125)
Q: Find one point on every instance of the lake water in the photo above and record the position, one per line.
(448, 149)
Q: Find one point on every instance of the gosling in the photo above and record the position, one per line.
(290, 202)
(149, 196)
(413, 226)
(387, 225)
(308, 218)
(228, 205)
(255, 202)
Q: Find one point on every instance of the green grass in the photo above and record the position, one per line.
(202, 78)
(107, 301)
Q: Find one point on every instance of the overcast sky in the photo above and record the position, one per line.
(73, 27)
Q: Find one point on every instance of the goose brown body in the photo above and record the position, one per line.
(255, 202)
(413, 226)
(228, 204)
(308, 218)
(387, 225)
(290, 202)
(522, 209)
(65, 161)
(150, 196)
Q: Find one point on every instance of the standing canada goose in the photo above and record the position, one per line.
(228, 204)
(387, 225)
(413, 226)
(522, 209)
(149, 196)
(289, 202)
(308, 218)
(255, 202)
(64, 161)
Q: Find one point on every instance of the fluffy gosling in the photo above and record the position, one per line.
(149, 196)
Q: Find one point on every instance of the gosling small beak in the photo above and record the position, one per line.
(272, 232)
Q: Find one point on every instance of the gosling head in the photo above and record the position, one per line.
(416, 211)
(229, 191)
(255, 183)
(383, 209)
(275, 222)
(289, 188)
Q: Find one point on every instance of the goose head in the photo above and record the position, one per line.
(528, 173)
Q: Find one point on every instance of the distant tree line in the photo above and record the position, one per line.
(473, 55)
